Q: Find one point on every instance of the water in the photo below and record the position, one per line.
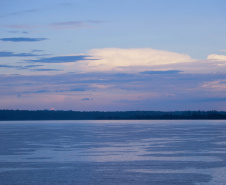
(113, 152)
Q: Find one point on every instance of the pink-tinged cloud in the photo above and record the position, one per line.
(217, 85)
(113, 91)
(118, 79)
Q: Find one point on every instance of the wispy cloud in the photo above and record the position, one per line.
(18, 26)
(158, 78)
(36, 50)
(12, 54)
(66, 4)
(108, 89)
(62, 59)
(55, 25)
(7, 66)
(31, 66)
(17, 67)
(46, 70)
(74, 24)
(212, 99)
(167, 72)
(217, 85)
(23, 32)
(87, 99)
(19, 13)
(22, 39)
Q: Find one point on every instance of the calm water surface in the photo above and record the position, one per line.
(113, 152)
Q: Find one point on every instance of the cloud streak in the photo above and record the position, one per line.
(22, 39)
(109, 89)
(167, 72)
(62, 59)
(19, 13)
(87, 99)
(73, 24)
(217, 85)
(12, 54)
(16, 32)
(46, 70)
(138, 79)
(18, 26)
(30, 67)
(7, 66)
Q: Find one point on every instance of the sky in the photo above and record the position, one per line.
(113, 55)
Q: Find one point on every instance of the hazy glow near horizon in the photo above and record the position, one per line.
(113, 55)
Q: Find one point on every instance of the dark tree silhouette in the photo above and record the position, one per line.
(96, 115)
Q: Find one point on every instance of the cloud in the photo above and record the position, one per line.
(100, 86)
(144, 61)
(22, 39)
(12, 54)
(19, 13)
(217, 85)
(143, 92)
(87, 99)
(217, 57)
(46, 70)
(67, 25)
(122, 62)
(36, 50)
(155, 80)
(24, 32)
(7, 66)
(62, 59)
(16, 67)
(212, 99)
(30, 66)
(116, 59)
(161, 72)
(18, 26)
(77, 89)
(73, 24)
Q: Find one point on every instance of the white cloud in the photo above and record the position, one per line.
(146, 59)
(217, 57)
(116, 59)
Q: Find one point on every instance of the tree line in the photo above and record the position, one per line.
(6, 115)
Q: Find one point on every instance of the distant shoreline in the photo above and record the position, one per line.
(47, 115)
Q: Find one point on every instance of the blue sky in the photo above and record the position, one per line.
(113, 55)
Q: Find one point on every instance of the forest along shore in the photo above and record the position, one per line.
(7, 115)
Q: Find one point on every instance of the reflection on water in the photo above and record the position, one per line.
(113, 152)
